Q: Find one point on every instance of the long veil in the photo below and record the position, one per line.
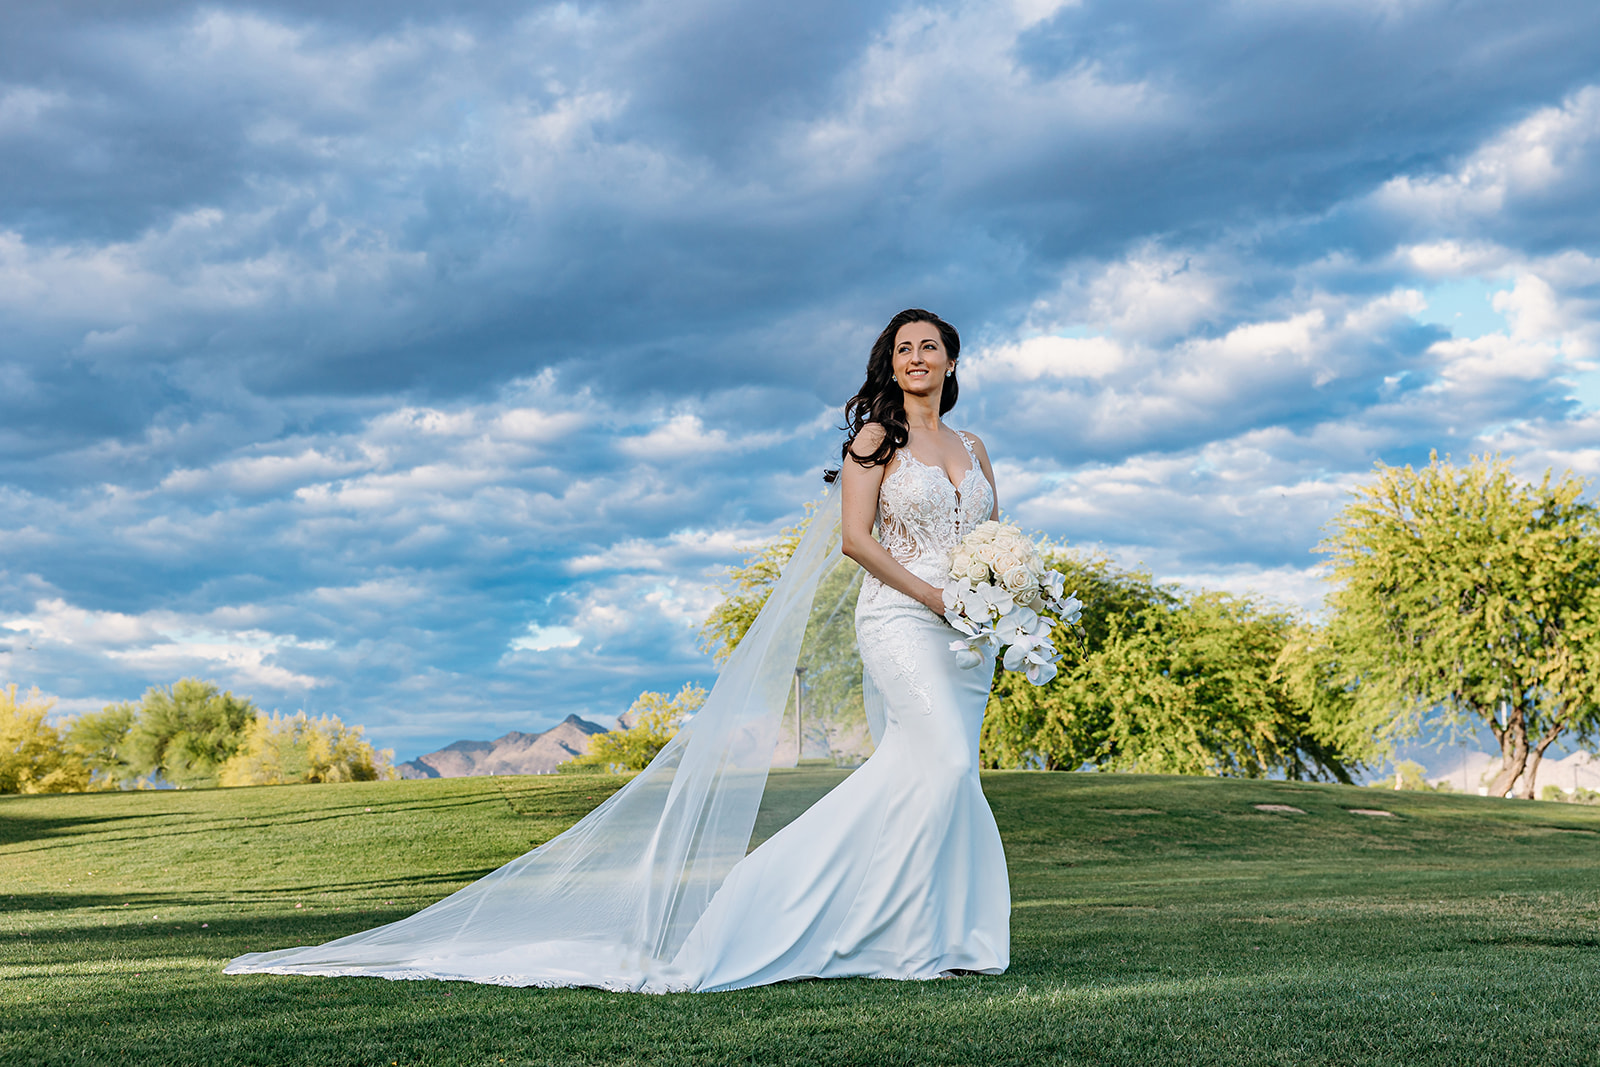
(610, 901)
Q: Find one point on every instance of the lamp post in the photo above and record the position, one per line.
(799, 717)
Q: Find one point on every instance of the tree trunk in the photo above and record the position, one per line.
(1532, 777)
(1513, 753)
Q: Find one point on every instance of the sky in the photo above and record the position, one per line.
(424, 364)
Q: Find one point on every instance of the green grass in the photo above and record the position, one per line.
(1157, 920)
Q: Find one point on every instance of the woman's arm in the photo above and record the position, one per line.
(988, 472)
(859, 504)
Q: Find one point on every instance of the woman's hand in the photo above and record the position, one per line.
(933, 597)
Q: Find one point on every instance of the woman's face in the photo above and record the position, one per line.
(920, 361)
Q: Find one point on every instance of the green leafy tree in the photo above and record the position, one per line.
(33, 758)
(1465, 592)
(102, 740)
(283, 750)
(642, 731)
(1194, 687)
(745, 590)
(185, 733)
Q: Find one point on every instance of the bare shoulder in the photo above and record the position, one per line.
(867, 441)
(977, 443)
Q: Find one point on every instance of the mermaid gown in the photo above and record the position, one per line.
(898, 872)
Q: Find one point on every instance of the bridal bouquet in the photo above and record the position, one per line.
(998, 600)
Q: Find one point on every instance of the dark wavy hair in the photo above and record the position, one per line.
(880, 399)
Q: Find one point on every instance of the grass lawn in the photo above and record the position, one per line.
(1157, 920)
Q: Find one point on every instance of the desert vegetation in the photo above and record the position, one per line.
(188, 735)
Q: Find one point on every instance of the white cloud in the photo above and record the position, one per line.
(681, 435)
(166, 643)
(265, 473)
(22, 106)
(544, 638)
(682, 550)
(1096, 358)
(960, 64)
(1536, 154)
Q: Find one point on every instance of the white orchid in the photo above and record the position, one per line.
(973, 649)
(1069, 608)
(1052, 582)
(1038, 670)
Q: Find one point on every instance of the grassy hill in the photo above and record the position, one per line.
(1157, 920)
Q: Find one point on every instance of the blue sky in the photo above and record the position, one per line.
(421, 365)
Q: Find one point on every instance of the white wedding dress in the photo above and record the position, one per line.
(896, 873)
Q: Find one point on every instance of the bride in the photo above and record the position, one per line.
(896, 873)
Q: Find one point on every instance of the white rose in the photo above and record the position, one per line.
(977, 571)
(1036, 565)
(1016, 579)
(986, 552)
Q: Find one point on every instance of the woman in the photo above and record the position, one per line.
(897, 873)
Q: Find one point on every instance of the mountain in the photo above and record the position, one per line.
(515, 753)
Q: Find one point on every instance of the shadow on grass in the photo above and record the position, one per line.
(1536, 941)
(225, 936)
(47, 902)
(168, 824)
(20, 829)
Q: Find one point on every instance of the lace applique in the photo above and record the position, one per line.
(902, 656)
(922, 516)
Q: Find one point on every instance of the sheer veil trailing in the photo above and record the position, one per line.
(610, 901)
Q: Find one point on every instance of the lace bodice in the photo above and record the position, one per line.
(922, 516)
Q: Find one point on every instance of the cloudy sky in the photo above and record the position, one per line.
(421, 363)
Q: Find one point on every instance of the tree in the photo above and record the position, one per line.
(745, 591)
(283, 750)
(1464, 591)
(1186, 685)
(32, 757)
(103, 741)
(186, 733)
(642, 731)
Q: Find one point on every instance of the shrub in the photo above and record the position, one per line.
(186, 733)
(102, 739)
(32, 756)
(282, 750)
(642, 731)
(1579, 795)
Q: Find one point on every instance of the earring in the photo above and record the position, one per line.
(949, 372)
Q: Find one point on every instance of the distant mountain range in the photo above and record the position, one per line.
(515, 753)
